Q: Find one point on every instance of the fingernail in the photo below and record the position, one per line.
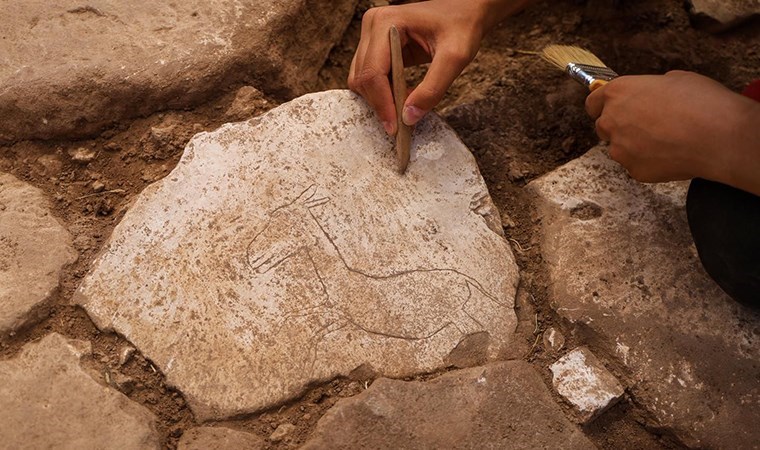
(412, 115)
(388, 127)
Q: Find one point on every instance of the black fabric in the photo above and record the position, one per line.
(725, 224)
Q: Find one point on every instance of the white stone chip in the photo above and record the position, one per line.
(583, 381)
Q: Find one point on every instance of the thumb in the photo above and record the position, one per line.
(444, 69)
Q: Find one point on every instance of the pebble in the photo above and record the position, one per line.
(82, 155)
(554, 340)
(125, 355)
(282, 432)
(98, 186)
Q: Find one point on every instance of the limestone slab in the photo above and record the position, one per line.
(287, 250)
(623, 267)
(722, 14)
(499, 406)
(583, 381)
(48, 400)
(34, 247)
(69, 68)
(219, 438)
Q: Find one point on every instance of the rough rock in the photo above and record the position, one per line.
(34, 247)
(70, 68)
(219, 438)
(623, 269)
(719, 15)
(500, 406)
(290, 249)
(282, 432)
(583, 381)
(48, 400)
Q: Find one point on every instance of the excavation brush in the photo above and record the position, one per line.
(582, 65)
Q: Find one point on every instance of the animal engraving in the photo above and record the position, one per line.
(411, 304)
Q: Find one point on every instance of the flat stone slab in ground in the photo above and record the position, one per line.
(48, 400)
(69, 68)
(499, 406)
(623, 267)
(34, 247)
(287, 250)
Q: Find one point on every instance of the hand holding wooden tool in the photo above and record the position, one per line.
(404, 132)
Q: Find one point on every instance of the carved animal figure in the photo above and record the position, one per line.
(413, 304)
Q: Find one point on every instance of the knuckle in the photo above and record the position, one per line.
(367, 77)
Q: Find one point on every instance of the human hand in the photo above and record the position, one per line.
(446, 33)
(679, 126)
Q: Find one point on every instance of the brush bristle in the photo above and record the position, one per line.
(562, 55)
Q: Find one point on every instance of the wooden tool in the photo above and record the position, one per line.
(404, 132)
(582, 65)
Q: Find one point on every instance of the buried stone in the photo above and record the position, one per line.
(290, 249)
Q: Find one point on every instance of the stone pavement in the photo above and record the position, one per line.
(49, 400)
(624, 271)
(289, 251)
(69, 68)
(34, 248)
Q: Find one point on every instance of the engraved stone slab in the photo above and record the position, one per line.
(287, 250)
(499, 406)
(48, 400)
(70, 68)
(33, 249)
(623, 267)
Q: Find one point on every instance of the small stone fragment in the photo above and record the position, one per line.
(49, 165)
(282, 432)
(583, 381)
(125, 354)
(98, 186)
(219, 438)
(82, 155)
(554, 340)
(247, 100)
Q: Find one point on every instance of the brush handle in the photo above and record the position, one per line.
(596, 84)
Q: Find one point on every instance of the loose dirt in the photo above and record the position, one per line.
(520, 117)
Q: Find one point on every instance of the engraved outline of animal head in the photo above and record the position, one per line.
(288, 231)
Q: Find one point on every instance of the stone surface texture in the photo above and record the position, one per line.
(34, 247)
(623, 269)
(583, 381)
(499, 406)
(69, 68)
(287, 250)
(721, 14)
(219, 438)
(48, 400)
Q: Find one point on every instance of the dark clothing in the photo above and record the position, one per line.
(725, 224)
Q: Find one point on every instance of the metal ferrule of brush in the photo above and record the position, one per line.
(586, 74)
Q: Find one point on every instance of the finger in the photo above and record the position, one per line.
(603, 130)
(445, 68)
(361, 50)
(595, 102)
(373, 80)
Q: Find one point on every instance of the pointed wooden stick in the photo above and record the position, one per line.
(404, 132)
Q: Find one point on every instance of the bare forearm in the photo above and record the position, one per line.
(743, 155)
(494, 11)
